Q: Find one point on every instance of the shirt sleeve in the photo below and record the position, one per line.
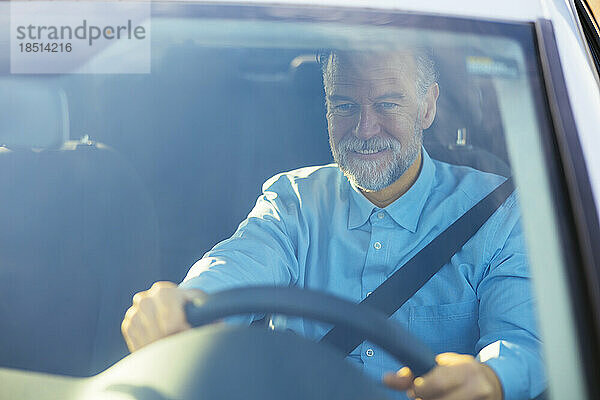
(260, 252)
(509, 341)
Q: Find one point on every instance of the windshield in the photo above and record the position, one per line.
(112, 181)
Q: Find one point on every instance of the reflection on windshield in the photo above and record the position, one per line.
(310, 163)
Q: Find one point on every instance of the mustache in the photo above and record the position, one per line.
(372, 144)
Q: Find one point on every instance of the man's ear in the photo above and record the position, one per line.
(430, 105)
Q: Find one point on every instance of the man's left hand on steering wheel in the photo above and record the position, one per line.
(456, 377)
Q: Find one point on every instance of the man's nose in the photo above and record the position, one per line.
(368, 123)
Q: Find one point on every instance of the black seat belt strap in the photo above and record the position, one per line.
(410, 277)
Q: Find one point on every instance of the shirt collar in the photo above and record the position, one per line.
(406, 210)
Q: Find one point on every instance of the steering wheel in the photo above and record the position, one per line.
(230, 362)
(370, 323)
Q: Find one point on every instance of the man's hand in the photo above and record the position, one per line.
(456, 377)
(156, 313)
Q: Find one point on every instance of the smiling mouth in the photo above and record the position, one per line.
(368, 152)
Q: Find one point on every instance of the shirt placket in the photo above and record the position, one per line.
(374, 274)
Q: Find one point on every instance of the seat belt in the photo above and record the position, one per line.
(410, 277)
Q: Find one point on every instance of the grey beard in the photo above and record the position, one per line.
(374, 175)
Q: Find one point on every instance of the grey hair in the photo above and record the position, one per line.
(425, 65)
(426, 71)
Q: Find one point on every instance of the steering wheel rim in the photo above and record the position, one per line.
(371, 323)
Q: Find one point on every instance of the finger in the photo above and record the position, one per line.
(170, 310)
(453, 358)
(194, 294)
(440, 380)
(163, 285)
(401, 380)
(126, 332)
(146, 311)
(168, 304)
(465, 392)
(452, 371)
(130, 328)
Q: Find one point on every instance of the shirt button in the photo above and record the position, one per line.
(368, 294)
(381, 215)
(369, 352)
(377, 245)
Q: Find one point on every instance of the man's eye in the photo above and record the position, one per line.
(344, 107)
(388, 106)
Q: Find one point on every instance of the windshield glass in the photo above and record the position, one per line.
(361, 141)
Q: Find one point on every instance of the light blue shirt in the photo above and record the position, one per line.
(311, 228)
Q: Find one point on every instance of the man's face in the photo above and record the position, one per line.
(375, 116)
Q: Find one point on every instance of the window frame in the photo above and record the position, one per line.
(575, 206)
(564, 157)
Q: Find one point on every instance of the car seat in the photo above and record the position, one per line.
(467, 129)
(78, 237)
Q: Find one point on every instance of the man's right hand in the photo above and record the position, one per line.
(156, 313)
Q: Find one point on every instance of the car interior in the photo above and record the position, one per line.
(111, 182)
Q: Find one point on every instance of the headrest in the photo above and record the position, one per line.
(34, 114)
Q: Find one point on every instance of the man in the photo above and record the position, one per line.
(344, 228)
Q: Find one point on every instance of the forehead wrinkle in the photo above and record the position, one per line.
(370, 70)
(394, 63)
(388, 81)
(366, 89)
(371, 79)
(373, 76)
